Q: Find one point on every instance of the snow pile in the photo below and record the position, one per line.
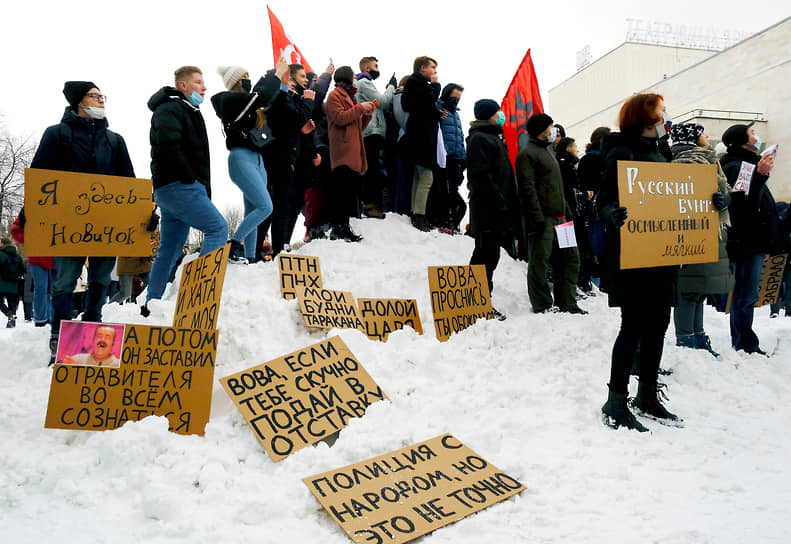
(525, 394)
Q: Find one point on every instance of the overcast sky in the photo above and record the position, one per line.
(130, 49)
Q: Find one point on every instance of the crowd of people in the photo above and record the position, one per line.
(296, 145)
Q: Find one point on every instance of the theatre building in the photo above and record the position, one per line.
(749, 81)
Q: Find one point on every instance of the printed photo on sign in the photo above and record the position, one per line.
(402, 495)
(75, 214)
(88, 343)
(303, 397)
(671, 218)
(163, 372)
(459, 297)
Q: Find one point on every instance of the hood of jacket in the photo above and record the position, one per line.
(168, 94)
(485, 127)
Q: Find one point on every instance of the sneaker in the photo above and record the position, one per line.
(53, 350)
(498, 315)
(774, 314)
(616, 414)
(577, 310)
(236, 256)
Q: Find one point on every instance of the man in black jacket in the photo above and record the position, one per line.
(181, 176)
(419, 99)
(492, 185)
(81, 143)
(754, 231)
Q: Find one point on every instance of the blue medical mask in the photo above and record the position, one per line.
(553, 134)
(758, 142)
(196, 99)
(500, 119)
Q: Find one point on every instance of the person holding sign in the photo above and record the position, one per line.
(181, 175)
(492, 186)
(543, 208)
(754, 228)
(241, 109)
(81, 143)
(645, 295)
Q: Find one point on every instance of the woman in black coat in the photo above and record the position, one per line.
(645, 295)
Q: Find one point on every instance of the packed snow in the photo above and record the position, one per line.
(525, 394)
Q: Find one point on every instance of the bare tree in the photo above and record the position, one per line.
(233, 216)
(16, 153)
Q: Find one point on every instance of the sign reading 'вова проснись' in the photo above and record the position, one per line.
(672, 220)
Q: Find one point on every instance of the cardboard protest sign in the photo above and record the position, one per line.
(408, 493)
(771, 279)
(459, 296)
(73, 214)
(671, 218)
(298, 271)
(381, 316)
(302, 397)
(163, 372)
(200, 290)
(327, 309)
(745, 178)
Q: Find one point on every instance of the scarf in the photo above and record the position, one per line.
(350, 89)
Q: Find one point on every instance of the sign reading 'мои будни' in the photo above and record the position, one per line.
(672, 220)
(75, 214)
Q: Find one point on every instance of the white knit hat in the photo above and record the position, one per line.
(230, 75)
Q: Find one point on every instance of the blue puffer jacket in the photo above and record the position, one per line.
(452, 133)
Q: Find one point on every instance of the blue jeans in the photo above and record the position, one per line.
(43, 282)
(247, 171)
(745, 295)
(68, 272)
(183, 206)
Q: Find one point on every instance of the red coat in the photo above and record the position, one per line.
(18, 233)
(345, 122)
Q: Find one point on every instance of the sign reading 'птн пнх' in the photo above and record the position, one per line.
(672, 220)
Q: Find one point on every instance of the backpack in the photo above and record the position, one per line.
(13, 271)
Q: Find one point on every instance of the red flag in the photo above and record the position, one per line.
(283, 45)
(522, 100)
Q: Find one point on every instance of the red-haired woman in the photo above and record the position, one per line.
(645, 295)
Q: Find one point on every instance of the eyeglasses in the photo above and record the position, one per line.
(97, 96)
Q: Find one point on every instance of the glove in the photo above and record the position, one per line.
(537, 229)
(721, 201)
(393, 81)
(614, 216)
(153, 222)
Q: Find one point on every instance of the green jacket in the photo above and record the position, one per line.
(540, 186)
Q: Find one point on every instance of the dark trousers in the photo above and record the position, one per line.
(688, 315)
(282, 188)
(644, 324)
(745, 294)
(9, 303)
(342, 198)
(68, 272)
(487, 253)
(403, 181)
(543, 251)
(373, 180)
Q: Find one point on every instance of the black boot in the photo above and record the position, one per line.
(647, 404)
(616, 414)
(236, 255)
(420, 222)
(344, 232)
(702, 341)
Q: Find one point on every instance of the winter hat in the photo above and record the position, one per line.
(75, 91)
(561, 130)
(485, 108)
(736, 135)
(538, 123)
(686, 133)
(231, 75)
(344, 74)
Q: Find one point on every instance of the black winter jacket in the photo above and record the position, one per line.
(491, 180)
(83, 145)
(589, 170)
(286, 117)
(419, 99)
(229, 105)
(9, 258)
(652, 286)
(179, 143)
(755, 225)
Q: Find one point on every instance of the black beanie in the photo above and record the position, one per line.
(538, 123)
(736, 135)
(485, 108)
(75, 91)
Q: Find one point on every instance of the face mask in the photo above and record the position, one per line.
(374, 74)
(94, 112)
(500, 119)
(452, 102)
(553, 134)
(758, 142)
(247, 85)
(663, 128)
(195, 99)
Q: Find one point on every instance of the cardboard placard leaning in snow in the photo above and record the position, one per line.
(74, 214)
(328, 309)
(164, 372)
(298, 271)
(459, 297)
(672, 220)
(410, 492)
(381, 316)
(200, 290)
(302, 397)
(771, 279)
